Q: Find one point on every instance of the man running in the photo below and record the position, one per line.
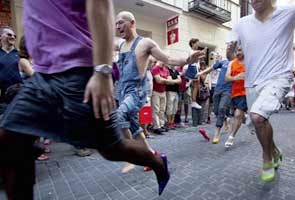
(235, 74)
(266, 38)
(71, 43)
(222, 94)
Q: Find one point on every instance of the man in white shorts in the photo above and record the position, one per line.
(267, 40)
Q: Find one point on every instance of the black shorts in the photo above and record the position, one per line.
(211, 95)
(52, 106)
(240, 103)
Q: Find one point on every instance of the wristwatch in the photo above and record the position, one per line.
(103, 69)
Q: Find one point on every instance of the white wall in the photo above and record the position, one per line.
(192, 27)
(148, 23)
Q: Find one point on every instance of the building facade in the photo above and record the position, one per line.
(208, 20)
(11, 15)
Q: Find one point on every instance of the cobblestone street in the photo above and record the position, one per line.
(200, 170)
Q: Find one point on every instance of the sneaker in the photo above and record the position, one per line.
(83, 152)
(181, 125)
(196, 105)
(158, 131)
(165, 129)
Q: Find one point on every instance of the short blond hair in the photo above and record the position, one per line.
(127, 15)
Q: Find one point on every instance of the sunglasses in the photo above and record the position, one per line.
(11, 35)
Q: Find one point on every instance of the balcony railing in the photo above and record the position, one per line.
(219, 10)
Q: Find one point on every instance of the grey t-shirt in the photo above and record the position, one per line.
(268, 46)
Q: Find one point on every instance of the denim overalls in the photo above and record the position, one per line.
(131, 91)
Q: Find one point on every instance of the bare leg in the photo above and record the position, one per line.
(216, 135)
(226, 124)
(145, 130)
(186, 106)
(134, 152)
(17, 165)
(141, 140)
(238, 119)
(264, 134)
(128, 166)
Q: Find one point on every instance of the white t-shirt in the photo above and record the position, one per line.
(149, 83)
(268, 46)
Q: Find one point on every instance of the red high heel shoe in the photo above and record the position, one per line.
(205, 135)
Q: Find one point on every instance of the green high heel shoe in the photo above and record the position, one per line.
(278, 158)
(268, 172)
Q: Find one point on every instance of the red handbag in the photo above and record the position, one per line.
(145, 115)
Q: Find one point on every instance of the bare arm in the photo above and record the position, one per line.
(178, 80)
(154, 50)
(229, 77)
(206, 71)
(160, 80)
(25, 65)
(100, 17)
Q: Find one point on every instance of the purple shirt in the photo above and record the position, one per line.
(57, 34)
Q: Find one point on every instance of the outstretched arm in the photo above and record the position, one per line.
(156, 52)
(206, 71)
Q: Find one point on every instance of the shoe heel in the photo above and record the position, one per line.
(162, 184)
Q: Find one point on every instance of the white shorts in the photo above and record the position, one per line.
(291, 93)
(265, 99)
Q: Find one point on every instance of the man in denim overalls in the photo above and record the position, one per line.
(133, 60)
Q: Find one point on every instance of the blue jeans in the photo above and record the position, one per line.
(128, 114)
(221, 104)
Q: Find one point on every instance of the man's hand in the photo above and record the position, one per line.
(240, 76)
(100, 90)
(195, 57)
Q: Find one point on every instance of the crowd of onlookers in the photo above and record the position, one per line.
(16, 66)
(172, 94)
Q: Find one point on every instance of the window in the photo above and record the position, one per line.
(246, 8)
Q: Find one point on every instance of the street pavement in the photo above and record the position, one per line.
(200, 170)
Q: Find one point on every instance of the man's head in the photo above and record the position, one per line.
(194, 43)
(152, 62)
(261, 5)
(230, 50)
(239, 53)
(7, 37)
(125, 24)
(202, 65)
(161, 64)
